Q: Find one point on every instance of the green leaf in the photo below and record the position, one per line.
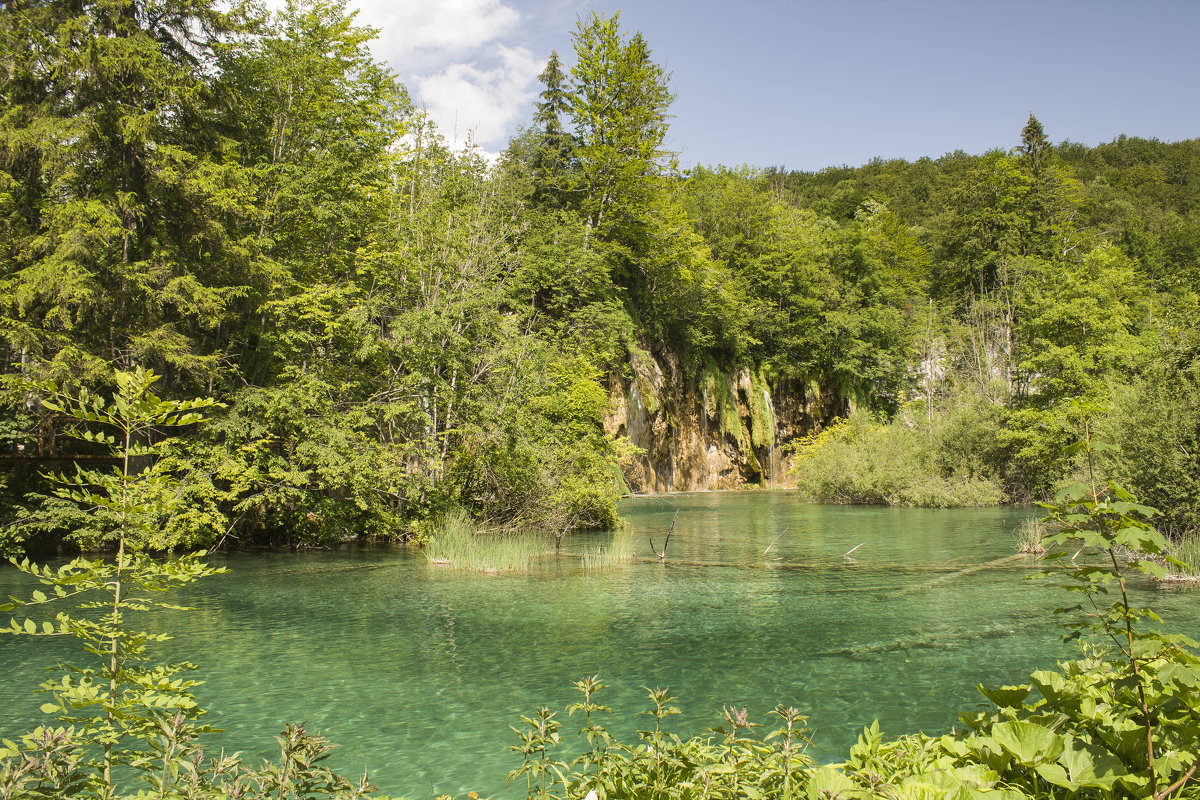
(828, 781)
(1071, 493)
(1151, 568)
(1006, 696)
(1050, 684)
(1028, 742)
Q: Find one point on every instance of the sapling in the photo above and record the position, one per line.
(598, 738)
(115, 706)
(1109, 520)
(123, 717)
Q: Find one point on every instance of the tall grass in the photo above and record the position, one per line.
(1030, 536)
(620, 549)
(459, 543)
(1186, 548)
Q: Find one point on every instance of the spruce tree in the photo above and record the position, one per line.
(552, 159)
(1035, 147)
(119, 234)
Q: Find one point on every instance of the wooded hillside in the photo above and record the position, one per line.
(253, 209)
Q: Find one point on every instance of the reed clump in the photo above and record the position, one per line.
(459, 542)
(1185, 549)
(619, 549)
(1031, 535)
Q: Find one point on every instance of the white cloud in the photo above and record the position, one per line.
(416, 33)
(461, 60)
(464, 98)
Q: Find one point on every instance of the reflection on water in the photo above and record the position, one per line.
(418, 671)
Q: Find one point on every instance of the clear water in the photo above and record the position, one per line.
(418, 671)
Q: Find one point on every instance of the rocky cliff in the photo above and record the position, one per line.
(701, 428)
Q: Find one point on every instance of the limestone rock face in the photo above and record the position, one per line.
(700, 428)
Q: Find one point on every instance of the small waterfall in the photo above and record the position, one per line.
(772, 466)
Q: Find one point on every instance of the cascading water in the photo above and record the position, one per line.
(772, 467)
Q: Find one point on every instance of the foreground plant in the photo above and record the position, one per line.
(123, 718)
(1131, 704)
(1121, 721)
(660, 765)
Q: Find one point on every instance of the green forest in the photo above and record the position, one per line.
(253, 209)
(251, 297)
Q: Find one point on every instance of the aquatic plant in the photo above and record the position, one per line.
(459, 543)
(1184, 548)
(1031, 536)
(620, 548)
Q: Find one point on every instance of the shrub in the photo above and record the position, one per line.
(862, 460)
(1155, 424)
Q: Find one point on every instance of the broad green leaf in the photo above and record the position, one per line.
(1006, 696)
(828, 781)
(1029, 743)
(1071, 493)
(1050, 684)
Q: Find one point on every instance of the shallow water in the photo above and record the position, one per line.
(418, 671)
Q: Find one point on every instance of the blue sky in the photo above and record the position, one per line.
(816, 83)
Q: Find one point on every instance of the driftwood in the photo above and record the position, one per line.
(776, 539)
(662, 557)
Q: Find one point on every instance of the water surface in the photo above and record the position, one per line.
(419, 671)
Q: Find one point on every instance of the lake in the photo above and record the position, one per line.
(418, 670)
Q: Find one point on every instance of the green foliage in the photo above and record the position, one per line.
(659, 764)
(1125, 719)
(122, 719)
(988, 224)
(862, 460)
(122, 244)
(254, 207)
(1122, 721)
(134, 504)
(1079, 324)
(1155, 424)
(116, 708)
(618, 102)
(457, 542)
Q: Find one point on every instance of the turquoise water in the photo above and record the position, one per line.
(419, 671)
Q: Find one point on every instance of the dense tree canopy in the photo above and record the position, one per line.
(253, 208)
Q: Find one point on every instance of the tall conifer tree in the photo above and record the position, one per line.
(552, 160)
(121, 248)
